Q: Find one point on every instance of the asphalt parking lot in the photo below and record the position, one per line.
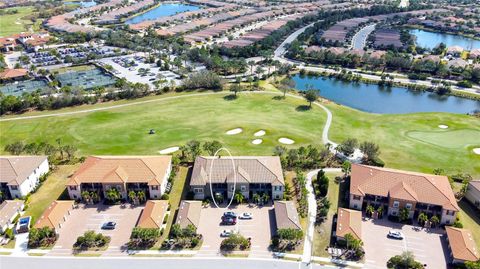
(131, 73)
(92, 217)
(260, 228)
(426, 245)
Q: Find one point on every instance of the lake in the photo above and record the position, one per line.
(163, 10)
(82, 3)
(385, 100)
(430, 40)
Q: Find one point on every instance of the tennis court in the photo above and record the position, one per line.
(85, 79)
(17, 88)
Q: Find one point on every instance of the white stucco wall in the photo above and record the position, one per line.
(473, 195)
(31, 182)
(356, 204)
(447, 219)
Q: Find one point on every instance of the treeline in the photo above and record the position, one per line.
(71, 97)
(57, 153)
(213, 61)
(308, 157)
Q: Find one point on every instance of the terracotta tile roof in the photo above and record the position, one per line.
(189, 213)
(122, 169)
(8, 209)
(14, 170)
(153, 214)
(475, 184)
(286, 215)
(249, 169)
(424, 188)
(13, 73)
(54, 214)
(462, 244)
(349, 221)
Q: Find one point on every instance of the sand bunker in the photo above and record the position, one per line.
(442, 126)
(257, 141)
(259, 133)
(169, 150)
(476, 151)
(286, 141)
(234, 131)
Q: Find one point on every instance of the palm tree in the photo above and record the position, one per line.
(132, 196)
(435, 220)
(256, 198)
(422, 218)
(251, 64)
(112, 195)
(86, 196)
(380, 211)
(369, 210)
(266, 197)
(239, 197)
(141, 196)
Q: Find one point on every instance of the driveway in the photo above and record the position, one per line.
(259, 229)
(428, 246)
(92, 217)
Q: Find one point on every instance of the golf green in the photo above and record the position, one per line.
(125, 130)
(15, 23)
(452, 139)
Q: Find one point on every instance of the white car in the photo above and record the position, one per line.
(246, 216)
(227, 233)
(395, 234)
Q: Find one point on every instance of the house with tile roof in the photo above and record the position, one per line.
(19, 175)
(189, 213)
(245, 174)
(55, 215)
(286, 215)
(395, 189)
(13, 74)
(9, 210)
(349, 221)
(153, 214)
(473, 193)
(461, 245)
(125, 173)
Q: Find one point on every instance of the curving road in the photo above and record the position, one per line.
(359, 40)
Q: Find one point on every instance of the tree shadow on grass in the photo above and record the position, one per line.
(278, 97)
(230, 97)
(303, 108)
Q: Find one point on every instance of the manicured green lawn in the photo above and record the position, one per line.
(423, 153)
(14, 23)
(470, 218)
(125, 130)
(321, 237)
(50, 190)
(178, 192)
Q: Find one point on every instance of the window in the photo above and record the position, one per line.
(72, 188)
(155, 188)
(198, 190)
(355, 206)
(408, 206)
(14, 187)
(356, 197)
(243, 188)
(277, 196)
(232, 188)
(396, 203)
(74, 197)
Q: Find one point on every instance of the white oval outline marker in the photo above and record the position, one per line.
(234, 178)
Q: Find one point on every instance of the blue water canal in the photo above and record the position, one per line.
(82, 3)
(430, 40)
(385, 100)
(161, 11)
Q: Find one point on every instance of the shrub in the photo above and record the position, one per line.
(43, 237)
(90, 239)
(142, 238)
(165, 196)
(234, 242)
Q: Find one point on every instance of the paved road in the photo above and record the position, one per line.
(360, 38)
(7, 262)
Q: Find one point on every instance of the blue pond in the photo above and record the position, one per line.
(82, 3)
(384, 100)
(163, 10)
(430, 40)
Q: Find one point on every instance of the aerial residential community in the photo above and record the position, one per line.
(240, 134)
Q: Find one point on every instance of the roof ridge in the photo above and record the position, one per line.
(268, 169)
(149, 168)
